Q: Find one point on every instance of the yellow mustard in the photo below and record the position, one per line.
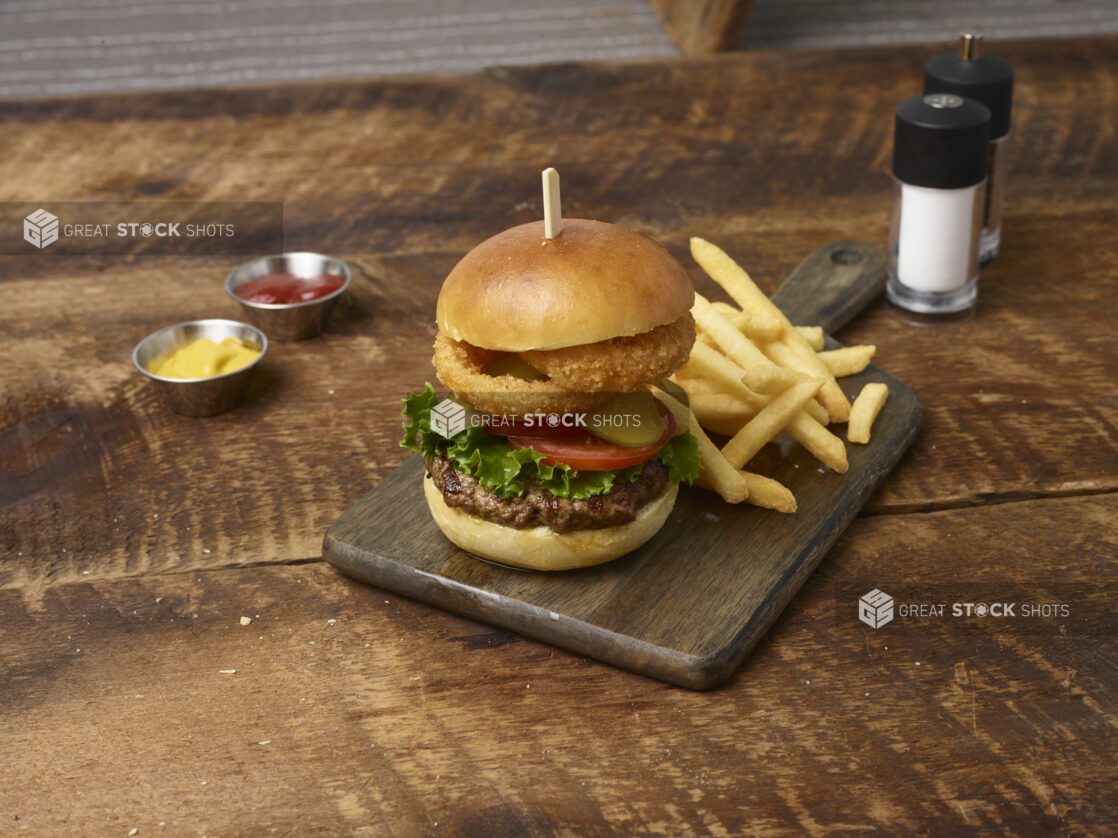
(204, 358)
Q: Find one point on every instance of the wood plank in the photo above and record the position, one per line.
(758, 153)
(100, 478)
(79, 443)
(398, 716)
(751, 163)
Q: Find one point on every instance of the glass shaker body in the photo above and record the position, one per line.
(988, 80)
(934, 242)
(996, 156)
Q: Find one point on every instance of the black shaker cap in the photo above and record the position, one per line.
(986, 79)
(940, 140)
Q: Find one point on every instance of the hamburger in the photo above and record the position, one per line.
(551, 451)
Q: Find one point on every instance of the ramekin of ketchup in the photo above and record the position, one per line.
(289, 296)
(287, 288)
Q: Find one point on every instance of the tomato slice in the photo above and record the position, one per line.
(591, 453)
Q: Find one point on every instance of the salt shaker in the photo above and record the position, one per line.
(939, 192)
(988, 80)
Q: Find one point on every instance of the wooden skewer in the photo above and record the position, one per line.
(552, 213)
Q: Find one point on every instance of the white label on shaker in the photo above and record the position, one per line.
(933, 245)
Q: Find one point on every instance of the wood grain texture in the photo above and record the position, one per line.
(397, 716)
(702, 27)
(768, 156)
(832, 285)
(769, 171)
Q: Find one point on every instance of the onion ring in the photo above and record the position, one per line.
(618, 365)
(578, 377)
(460, 366)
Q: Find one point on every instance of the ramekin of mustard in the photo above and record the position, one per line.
(206, 358)
(202, 367)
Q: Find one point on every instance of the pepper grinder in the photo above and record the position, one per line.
(939, 191)
(988, 80)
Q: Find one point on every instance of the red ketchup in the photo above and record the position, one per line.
(285, 288)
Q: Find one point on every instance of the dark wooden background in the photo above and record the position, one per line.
(133, 541)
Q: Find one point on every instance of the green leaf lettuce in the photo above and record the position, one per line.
(507, 471)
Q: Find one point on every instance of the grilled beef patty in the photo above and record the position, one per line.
(537, 506)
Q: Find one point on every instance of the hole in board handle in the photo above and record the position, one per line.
(846, 257)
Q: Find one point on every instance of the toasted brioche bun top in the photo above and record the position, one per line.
(518, 291)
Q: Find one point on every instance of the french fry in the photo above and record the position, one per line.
(722, 406)
(865, 410)
(756, 325)
(720, 412)
(726, 427)
(734, 280)
(740, 349)
(769, 493)
(752, 376)
(744, 291)
(726, 309)
(810, 433)
(770, 379)
(726, 377)
(847, 361)
(744, 324)
(830, 394)
(719, 476)
(716, 473)
(768, 422)
(697, 385)
(709, 371)
(817, 412)
(785, 355)
(731, 485)
(733, 343)
(682, 414)
(713, 365)
(813, 335)
(823, 445)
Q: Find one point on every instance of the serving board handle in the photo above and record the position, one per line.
(832, 285)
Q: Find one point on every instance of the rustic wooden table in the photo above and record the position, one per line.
(133, 541)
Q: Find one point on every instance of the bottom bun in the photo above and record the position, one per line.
(541, 548)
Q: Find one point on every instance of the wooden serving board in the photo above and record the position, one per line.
(690, 604)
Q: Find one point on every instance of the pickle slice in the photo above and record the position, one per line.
(627, 419)
(512, 364)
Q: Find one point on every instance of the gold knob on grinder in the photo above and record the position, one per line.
(969, 44)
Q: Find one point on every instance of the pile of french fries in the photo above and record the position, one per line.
(752, 376)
